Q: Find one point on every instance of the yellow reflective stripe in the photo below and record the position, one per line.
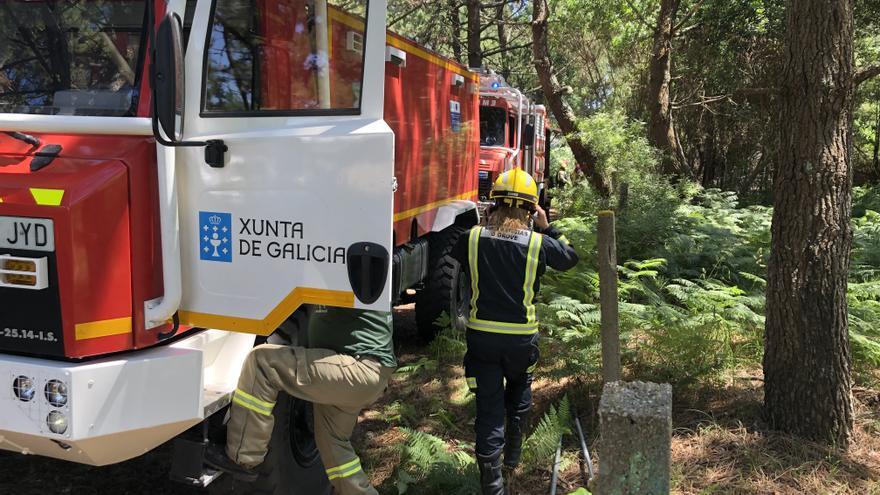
(47, 197)
(531, 369)
(531, 274)
(253, 399)
(471, 382)
(248, 401)
(344, 470)
(253, 407)
(564, 240)
(503, 327)
(346, 474)
(473, 246)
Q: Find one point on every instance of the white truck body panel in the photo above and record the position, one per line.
(312, 173)
(123, 406)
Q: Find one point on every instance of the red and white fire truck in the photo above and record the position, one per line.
(168, 194)
(514, 132)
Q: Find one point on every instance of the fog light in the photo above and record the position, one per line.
(23, 387)
(56, 393)
(57, 422)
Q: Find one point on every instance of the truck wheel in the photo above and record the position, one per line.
(447, 288)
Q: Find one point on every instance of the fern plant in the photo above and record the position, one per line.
(540, 447)
(430, 466)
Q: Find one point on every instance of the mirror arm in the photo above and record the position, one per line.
(215, 149)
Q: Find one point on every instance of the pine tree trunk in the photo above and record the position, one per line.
(474, 38)
(807, 363)
(661, 128)
(583, 154)
(502, 40)
(455, 23)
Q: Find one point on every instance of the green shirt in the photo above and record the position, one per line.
(355, 332)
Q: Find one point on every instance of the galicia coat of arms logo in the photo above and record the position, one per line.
(215, 236)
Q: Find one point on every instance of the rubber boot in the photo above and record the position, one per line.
(513, 436)
(491, 480)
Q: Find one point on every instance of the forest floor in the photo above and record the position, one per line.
(721, 444)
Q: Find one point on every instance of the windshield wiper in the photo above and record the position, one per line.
(27, 138)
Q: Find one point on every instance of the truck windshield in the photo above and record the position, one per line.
(492, 122)
(70, 57)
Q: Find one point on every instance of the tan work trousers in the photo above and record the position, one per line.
(338, 385)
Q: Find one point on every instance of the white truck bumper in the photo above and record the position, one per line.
(122, 406)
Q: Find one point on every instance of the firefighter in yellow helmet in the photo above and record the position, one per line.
(505, 261)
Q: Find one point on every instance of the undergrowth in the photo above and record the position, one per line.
(692, 281)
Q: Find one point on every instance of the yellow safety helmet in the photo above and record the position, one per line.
(515, 188)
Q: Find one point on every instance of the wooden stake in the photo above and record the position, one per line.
(607, 245)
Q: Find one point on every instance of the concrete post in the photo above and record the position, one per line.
(635, 428)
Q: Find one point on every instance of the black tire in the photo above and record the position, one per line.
(292, 465)
(447, 289)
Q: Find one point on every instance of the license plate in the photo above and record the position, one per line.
(30, 234)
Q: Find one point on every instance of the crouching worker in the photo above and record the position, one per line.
(505, 262)
(345, 369)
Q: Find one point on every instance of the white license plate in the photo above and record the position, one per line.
(30, 234)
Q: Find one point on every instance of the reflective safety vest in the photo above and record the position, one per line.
(505, 269)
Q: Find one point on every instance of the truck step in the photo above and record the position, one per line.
(188, 464)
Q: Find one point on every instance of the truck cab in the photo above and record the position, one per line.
(514, 132)
(178, 177)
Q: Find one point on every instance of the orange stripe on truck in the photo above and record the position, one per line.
(296, 298)
(105, 328)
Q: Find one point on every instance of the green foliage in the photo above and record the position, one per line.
(864, 288)
(539, 448)
(692, 273)
(431, 466)
(450, 345)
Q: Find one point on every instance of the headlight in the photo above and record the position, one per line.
(56, 393)
(57, 422)
(23, 387)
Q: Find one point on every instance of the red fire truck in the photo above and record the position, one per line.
(514, 132)
(168, 194)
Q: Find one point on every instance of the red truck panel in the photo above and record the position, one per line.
(435, 158)
(107, 219)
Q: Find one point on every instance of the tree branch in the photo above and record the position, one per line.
(639, 15)
(687, 16)
(496, 51)
(866, 73)
(407, 13)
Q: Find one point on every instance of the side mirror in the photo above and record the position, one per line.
(528, 136)
(168, 78)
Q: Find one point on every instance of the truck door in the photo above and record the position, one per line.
(301, 210)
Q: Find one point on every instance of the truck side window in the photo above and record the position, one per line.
(288, 57)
